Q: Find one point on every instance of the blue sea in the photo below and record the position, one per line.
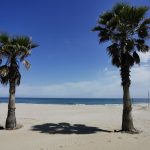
(74, 101)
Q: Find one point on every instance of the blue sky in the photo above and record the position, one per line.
(69, 61)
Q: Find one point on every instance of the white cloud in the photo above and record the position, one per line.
(145, 57)
(108, 85)
(140, 77)
(74, 89)
(102, 87)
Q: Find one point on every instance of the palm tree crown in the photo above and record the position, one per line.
(12, 51)
(126, 27)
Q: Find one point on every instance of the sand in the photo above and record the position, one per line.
(74, 127)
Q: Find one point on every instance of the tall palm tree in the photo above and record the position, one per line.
(13, 50)
(127, 29)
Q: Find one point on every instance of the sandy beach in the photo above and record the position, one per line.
(74, 127)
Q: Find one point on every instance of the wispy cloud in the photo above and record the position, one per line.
(107, 85)
(97, 88)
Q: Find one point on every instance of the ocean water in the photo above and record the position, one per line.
(74, 101)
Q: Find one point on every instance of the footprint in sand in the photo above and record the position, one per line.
(136, 138)
(30, 119)
(119, 137)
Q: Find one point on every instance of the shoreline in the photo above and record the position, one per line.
(139, 103)
(133, 104)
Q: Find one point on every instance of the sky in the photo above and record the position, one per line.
(69, 61)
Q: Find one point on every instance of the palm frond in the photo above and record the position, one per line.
(143, 31)
(136, 57)
(4, 70)
(113, 23)
(146, 21)
(24, 41)
(34, 45)
(142, 47)
(23, 56)
(104, 35)
(118, 7)
(23, 52)
(116, 61)
(113, 50)
(26, 64)
(4, 80)
(125, 12)
(21, 40)
(140, 41)
(105, 18)
(4, 38)
(97, 28)
(129, 45)
(130, 60)
(4, 74)
(140, 12)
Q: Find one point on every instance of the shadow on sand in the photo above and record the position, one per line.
(66, 128)
(1, 128)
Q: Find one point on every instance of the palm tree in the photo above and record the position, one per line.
(13, 50)
(127, 29)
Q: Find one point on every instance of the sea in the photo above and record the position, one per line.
(74, 101)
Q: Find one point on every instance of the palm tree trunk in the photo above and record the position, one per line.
(11, 119)
(127, 121)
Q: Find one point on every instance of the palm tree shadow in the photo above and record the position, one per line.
(66, 128)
